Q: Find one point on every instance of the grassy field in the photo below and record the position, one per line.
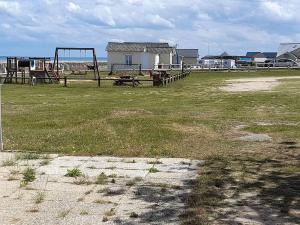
(192, 118)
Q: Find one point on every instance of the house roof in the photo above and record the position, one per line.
(269, 55)
(224, 54)
(251, 54)
(188, 53)
(293, 48)
(157, 48)
(233, 57)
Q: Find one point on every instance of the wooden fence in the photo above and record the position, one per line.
(134, 82)
(176, 77)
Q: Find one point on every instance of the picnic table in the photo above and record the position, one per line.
(125, 80)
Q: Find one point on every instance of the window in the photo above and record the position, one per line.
(128, 59)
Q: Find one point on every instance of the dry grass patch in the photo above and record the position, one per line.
(195, 129)
(128, 113)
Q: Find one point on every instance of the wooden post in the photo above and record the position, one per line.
(140, 69)
(99, 81)
(111, 69)
(65, 81)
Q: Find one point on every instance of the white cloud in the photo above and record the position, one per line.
(72, 7)
(5, 26)
(281, 10)
(244, 25)
(158, 20)
(10, 7)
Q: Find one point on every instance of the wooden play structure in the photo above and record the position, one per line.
(36, 67)
(41, 70)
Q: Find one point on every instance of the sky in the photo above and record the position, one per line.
(36, 27)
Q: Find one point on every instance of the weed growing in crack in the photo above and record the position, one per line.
(75, 172)
(39, 197)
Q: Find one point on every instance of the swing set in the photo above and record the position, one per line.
(93, 67)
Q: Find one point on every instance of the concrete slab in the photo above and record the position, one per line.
(155, 197)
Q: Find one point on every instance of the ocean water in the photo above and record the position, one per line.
(68, 59)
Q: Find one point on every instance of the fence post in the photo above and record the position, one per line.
(111, 69)
(140, 70)
(65, 81)
(98, 81)
(133, 82)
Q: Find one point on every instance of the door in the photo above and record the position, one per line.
(128, 60)
(156, 61)
(146, 61)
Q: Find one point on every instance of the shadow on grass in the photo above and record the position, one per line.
(274, 182)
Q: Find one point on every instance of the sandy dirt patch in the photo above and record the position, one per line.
(194, 129)
(254, 84)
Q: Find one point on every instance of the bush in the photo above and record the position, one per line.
(29, 175)
(102, 179)
(74, 173)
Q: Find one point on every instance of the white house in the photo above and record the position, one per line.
(144, 54)
(222, 61)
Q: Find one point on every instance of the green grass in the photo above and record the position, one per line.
(191, 118)
(186, 119)
(27, 156)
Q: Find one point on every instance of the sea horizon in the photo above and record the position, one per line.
(65, 59)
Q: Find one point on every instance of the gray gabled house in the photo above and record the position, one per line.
(188, 56)
(146, 54)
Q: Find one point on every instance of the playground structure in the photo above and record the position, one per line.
(57, 70)
(41, 70)
(36, 67)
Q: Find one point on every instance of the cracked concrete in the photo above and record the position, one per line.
(133, 194)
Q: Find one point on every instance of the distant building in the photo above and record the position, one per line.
(188, 56)
(261, 57)
(224, 60)
(146, 54)
(289, 51)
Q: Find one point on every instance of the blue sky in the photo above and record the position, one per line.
(36, 27)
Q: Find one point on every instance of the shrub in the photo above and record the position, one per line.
(8, 162)
(102, 179)
(45, 162)
(28, 156)
(29, 175)
(153, 170)
(74, 173)
(39, 197)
